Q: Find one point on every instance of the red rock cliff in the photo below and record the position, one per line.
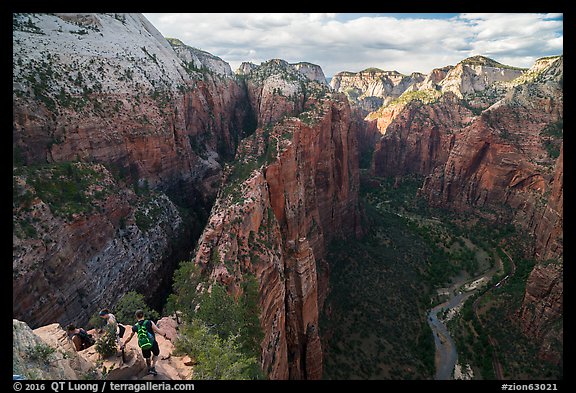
(109, 91)
(300, 192)
(500, 162)
(504, 166)
(416, 137)
(543, 303)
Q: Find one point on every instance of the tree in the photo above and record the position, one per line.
(129, 304)
(106, 345)
(216, 358)
(184, 296)
(252, 333)
(220, 312)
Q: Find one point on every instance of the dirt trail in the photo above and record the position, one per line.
(133, 365)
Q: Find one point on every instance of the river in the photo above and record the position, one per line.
(446, 351)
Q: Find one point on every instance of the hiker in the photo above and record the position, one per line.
(80, 338)
(111, 321)
(146, 330)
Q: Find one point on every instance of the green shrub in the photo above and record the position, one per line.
(40, 352)
(184, 296)
(129, 304)
(106, 345)
(64, 186)
(228, 317)
(217, 358)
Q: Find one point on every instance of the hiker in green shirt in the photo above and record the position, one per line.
(146, 330)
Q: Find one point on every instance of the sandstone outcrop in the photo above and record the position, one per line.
(63, 362)
(34, 358)
(245, 68)
(311, 71)
(197, 59)
(371, 88)
(476, 74)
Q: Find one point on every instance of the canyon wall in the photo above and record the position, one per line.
(488, 139)
(292, 189)
(144, 121)
(371, 88)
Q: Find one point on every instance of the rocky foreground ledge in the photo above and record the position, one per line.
(46, 353)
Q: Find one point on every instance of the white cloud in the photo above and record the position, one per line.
(353, 44)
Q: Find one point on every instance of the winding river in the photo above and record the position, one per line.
(446, 352)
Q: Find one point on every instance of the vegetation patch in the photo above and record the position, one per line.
(40, 353)
(222, 333)
(106, 344)
(517, 354)
(67, 188)
(382, 286)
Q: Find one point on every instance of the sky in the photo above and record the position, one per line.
(352, 42)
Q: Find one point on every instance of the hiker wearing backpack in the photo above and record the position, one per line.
(80, 338)
(113, 323)
(146, 331)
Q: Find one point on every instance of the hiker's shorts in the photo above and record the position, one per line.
(154, 350)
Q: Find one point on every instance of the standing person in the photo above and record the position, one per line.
(113, 323)
(80, 338)
(146, 330)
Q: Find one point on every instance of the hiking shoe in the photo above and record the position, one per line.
(152, 371)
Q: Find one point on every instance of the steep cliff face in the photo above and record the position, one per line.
(197, 59)
(116, 92)
(416, 136)
(488, 138)
(245, 68)
(432, 79)
(81, 239)
(542, 311)
(277, 88)
(415, 124)
(292, 189)
(371, 88)
(311, 71)
(549, 228)
(506, 156)
(108, 91)
(475, 74)
(508, 166)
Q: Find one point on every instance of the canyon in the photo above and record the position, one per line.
(133, 152)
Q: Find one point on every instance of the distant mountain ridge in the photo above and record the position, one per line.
(372, 88)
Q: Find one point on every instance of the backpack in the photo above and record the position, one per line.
(145, 338)
(86, 338)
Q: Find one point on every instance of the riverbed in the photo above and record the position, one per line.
(446, 351)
